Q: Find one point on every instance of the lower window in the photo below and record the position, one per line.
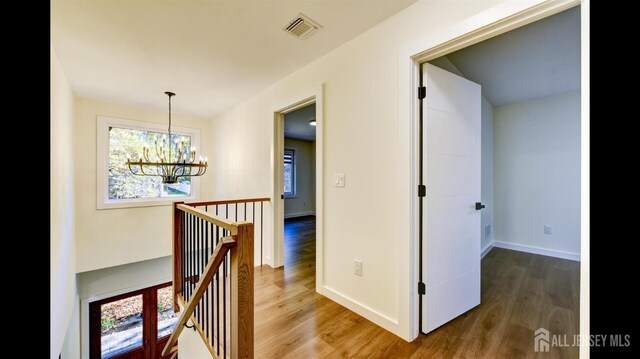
(134, 325)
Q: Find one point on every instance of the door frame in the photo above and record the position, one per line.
(150, 323)
(84, 309)
(298, 101)
(502, 18)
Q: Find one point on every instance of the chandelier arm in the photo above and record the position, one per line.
(131, 169)
(182, 171)
(142, 171)
(157, 151)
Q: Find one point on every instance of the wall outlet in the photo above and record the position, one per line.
(338, 180)
(487, 231)
(357, 267)
(547, 229)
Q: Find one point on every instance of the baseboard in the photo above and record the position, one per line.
(361, 309)
(300, 214)
(486, 249)
(538, 250)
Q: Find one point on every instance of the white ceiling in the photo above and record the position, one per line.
(537, 60)
(296, 123)
(213, 53)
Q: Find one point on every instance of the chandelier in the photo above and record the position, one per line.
(172, 160)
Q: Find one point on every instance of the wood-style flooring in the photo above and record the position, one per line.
(521, 292)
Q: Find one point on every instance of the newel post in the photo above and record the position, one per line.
(177, 254)
(242, 264)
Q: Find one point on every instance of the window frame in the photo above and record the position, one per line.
(102, 163)
(294, 173)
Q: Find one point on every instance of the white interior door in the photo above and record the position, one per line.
(451, 223)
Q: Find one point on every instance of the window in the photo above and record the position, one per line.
(132, 325)
(289, 172)
(118, 187)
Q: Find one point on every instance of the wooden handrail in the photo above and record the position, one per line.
(212, 266)
(194, 232)
(231, 226)
(228, 201)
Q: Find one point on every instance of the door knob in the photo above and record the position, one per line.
(479, 206)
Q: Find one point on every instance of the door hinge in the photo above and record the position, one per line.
(422, 288)
(422, 92)
(422, 190)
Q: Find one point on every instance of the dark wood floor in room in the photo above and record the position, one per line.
(520, 293)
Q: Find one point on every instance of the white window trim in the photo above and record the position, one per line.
(102, 193)
(294, 192)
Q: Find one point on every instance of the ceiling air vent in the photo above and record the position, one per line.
(302, 27)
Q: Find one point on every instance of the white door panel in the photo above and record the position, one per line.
(443, 220)
(453, 135)
(450, 93)
(459, 252)
(448, 175)
(451, 165)
(449, 307)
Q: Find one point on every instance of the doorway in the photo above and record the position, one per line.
(300, 162)
(301, 156)
(299, 181)
(529, 108)
(133, 325)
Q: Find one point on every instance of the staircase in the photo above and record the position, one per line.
(213, 264)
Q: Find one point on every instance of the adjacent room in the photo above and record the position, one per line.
(299, 185)
(530, 178)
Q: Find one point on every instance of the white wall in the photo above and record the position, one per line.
(537, 173)
(62, 217)
(71, 347)
(365, 139)
(304, 202)
(486, 174)
(132, 275)
(112, 237)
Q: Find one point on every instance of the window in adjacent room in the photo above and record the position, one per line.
(289, 172)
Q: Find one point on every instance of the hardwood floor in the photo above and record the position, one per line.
(520, 293)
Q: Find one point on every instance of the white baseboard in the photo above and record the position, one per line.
(361, 309)
(537, 250)
(300, 214)
(486, 249)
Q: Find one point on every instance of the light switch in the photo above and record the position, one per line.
(338, 180)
